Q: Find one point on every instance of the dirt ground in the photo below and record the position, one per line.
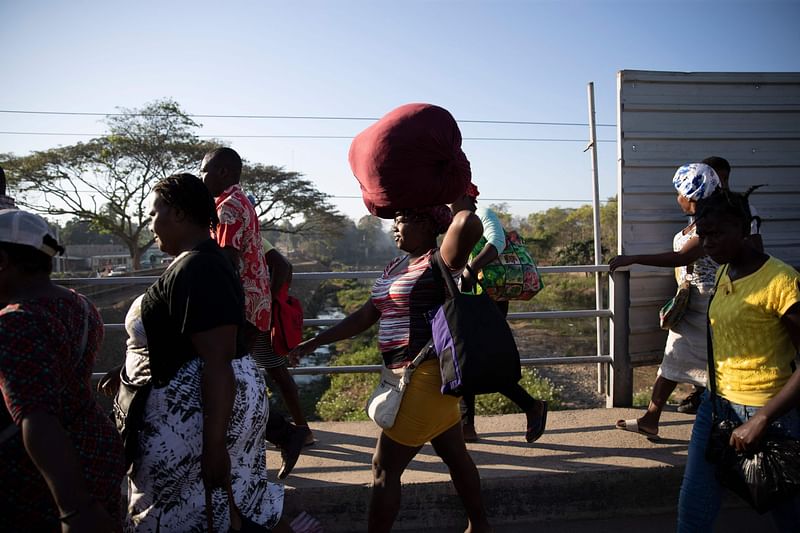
(578, 383)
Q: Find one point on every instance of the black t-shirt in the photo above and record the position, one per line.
(198, 292)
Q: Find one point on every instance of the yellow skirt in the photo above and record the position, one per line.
(425, 412)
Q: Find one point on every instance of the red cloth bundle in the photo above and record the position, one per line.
(410, 158)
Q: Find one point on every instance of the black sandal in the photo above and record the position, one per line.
(536, 430)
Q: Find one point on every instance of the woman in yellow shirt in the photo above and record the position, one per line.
(755, 324)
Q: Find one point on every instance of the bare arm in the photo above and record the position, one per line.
(356, 322)
(748, 435)
(486, 256)
(691, 252)
(216, 347)
(280, 270)
(52, 451)
(464, 231)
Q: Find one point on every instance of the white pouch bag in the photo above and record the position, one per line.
(383, 405)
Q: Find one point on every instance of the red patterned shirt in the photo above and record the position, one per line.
(239, 229)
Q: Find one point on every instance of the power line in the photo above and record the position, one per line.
(354, 197)
(348, 137)
(288, 117)
(357, 197)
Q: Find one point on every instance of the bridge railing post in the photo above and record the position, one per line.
(620, 386)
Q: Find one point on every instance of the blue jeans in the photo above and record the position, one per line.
(701, 493)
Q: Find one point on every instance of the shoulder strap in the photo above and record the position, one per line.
(712, 374)
(444, 273)
(412, 366)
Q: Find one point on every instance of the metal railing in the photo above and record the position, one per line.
(618, 388)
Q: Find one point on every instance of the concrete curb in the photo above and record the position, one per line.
(582, 468)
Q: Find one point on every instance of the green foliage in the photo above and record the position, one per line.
(576, 253)
(77, 231)
(562, 235)
(352, 296)
(561, 292)
(537, 386)
(348, 393)
(642, 398)
(362, 246)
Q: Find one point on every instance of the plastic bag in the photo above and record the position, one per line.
(772, 474)
(764, 478)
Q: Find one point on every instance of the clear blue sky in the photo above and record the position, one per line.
(491, 60)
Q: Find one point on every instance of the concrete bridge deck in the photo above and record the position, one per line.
(582, 475)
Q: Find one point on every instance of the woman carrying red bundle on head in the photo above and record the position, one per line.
(414, 145)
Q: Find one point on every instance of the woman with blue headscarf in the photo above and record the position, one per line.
(685, 352)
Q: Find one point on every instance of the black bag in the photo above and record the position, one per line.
(476, 349)
(764, 478)
(128, 409)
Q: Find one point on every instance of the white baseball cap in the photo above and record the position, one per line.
(22, 227)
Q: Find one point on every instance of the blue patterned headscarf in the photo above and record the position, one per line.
(696, 181)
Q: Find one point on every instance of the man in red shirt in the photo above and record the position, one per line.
(238, 234)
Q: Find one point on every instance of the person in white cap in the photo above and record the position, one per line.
(62, 457)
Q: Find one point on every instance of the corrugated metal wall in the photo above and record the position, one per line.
(666, 119)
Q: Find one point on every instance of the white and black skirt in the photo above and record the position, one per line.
(165, 490)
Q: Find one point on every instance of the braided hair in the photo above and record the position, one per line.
(188, 193)
(726, 202)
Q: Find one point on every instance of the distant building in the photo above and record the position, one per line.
(104, 257)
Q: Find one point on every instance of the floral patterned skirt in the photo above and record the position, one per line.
(165, 490)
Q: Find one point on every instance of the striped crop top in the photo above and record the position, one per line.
(406, 295)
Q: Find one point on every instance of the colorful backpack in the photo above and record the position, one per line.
(513, 275)
(287, 321)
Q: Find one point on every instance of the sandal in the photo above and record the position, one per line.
(632, 425)
(536, 430)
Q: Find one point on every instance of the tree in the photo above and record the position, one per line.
(106, 181)
(289, 203)
(77, 231)
(565, 235)
(365, 244)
